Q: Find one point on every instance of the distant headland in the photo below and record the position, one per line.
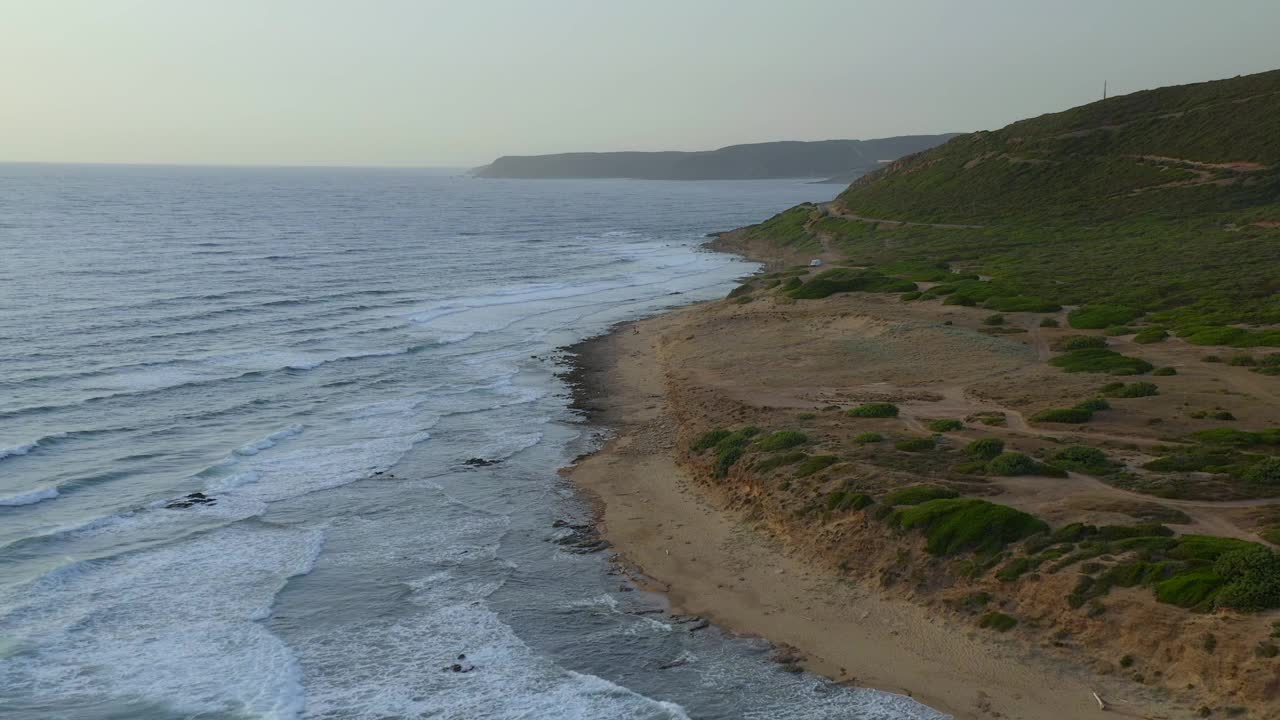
(844, 159)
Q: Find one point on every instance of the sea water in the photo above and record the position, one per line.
(316, 353)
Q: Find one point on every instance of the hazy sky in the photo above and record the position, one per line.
(459, 82)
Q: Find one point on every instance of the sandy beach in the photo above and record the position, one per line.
(720, 557)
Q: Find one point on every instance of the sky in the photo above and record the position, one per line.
(460, 82)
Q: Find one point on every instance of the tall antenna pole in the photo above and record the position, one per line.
(1104, 89)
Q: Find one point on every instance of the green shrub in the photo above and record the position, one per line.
(741, 290)
(916, 444)
(1242, 361)
(1118, 330)
(1082, 459)
(1014, 569)
(1079, 342)
(1093, 404)
(781, 440)
(909, 296)
(1195, 460)
(1192, 590)
(1073, 415)
(952, 525)
(1207, 547)
(1231, 437)
(874, 410)
(997, 621)
(1131, 390)
(1096, 317)
(842, 280)
(1100, 360)
(868, 437)
(945, 425)
(731, 448)
(1151, 335)
(1211, 359)
(917, 494)
(709, 439)
(815, 464)
(985, 448)
(1050, 322)
(1164, 371)
(1012, 463)
(1252, 579)
(791, 284)
(1126, 532)
(993, 320)
(726, 459)
(1265, 473)
(1021, 303)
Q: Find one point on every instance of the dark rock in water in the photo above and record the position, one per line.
(195, 498)
(480, 462)
(462, 656)
(674, 663)
(581, 540)
(459, 668)
(700, 625)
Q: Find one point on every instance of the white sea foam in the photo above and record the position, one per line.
(261, 444)
(25, 448)
(383, 669)
(29, 497)
(176, 624)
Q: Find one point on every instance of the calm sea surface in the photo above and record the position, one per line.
(317, 353)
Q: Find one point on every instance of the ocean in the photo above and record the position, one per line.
(236, 409)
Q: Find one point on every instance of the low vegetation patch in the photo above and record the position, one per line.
(1010, 464)
(1231, 437)
(1079, 342)
(731, 448)
(1081, 413)
(1082, 459)
(709, 440)
(843, 280)
(945, 425)
(997, 621)
(1151, 335)
(777, 461)
(917, 494)
(781, 440)
(874, 410)
(868, 437)
(1130, 390)
(1096, 317)
(985, 448)
(1164, 371)
(1101, 360)
(953, 525)
(916, 444)
(815, 464)
(847, 500)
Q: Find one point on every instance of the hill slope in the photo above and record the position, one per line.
(1171, 153)
(1165, 203)
(735, 162)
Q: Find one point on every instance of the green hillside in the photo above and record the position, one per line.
(1165, 202)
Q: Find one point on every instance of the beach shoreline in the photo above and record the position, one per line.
(721, 562)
